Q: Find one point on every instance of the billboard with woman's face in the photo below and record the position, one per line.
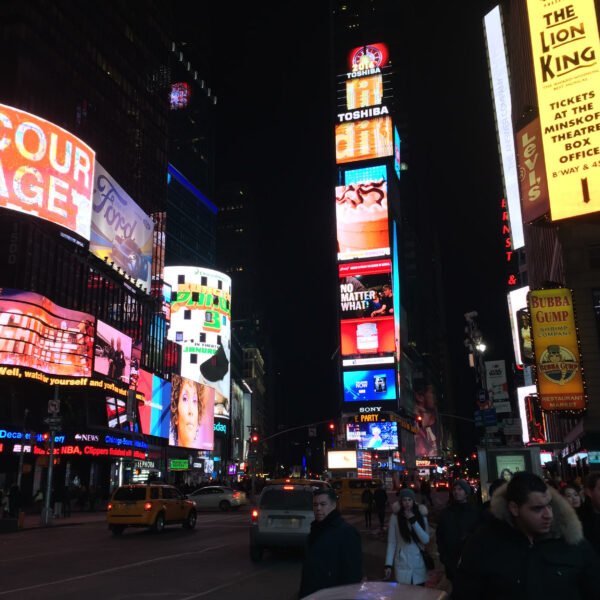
(192, 414)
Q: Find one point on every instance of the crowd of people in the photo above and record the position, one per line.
(532, 539)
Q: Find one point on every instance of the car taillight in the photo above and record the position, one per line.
(148, 506)
(254, 516)
(236, 495)
(288, 487)
(109, 507)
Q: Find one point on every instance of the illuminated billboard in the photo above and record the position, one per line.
(112, 353)
(366, 289)
(45, 171)
(365, 91)
(40, 335)
(364, 140)
(341, 459)
(191, 414)
(522, 393)
(397, 161)
(122, 233)
(565, 46)
(427, 436)
(373, 173)
(362, 220)
(367, 336)
(376, 436)
(503, 113)
(366, 386)
(366, 58)
(532, 173)
(517, 300)
(201, 325)
(556, 348)
(155, 409)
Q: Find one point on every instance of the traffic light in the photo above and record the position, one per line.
(254, 438)
(420, 420)
(331, 426)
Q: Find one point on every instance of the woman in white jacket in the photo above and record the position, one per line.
(407, 531)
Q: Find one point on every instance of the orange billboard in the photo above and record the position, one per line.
(363, 140)
(45, 171)
(556, 348)
(366, 91)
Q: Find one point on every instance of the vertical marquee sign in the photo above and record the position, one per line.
(566, 51)
(556, 348)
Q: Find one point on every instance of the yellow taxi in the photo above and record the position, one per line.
(154, 506)
(316, 484)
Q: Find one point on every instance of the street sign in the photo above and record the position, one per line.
(486, 417)
(482, 397)
(503, 407)
(54, 423)
(53, 406)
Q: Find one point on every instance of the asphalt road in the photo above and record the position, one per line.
(85, 561)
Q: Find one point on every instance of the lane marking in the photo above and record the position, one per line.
(224, 585)
(112, 570)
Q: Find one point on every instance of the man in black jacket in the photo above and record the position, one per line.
(334, 553)
(589, 513)
(532, 548)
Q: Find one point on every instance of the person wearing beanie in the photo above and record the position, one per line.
(408, 532)
(457, 521)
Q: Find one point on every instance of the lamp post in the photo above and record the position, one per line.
(20, 473)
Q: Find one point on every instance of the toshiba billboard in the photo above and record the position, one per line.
(45, 171)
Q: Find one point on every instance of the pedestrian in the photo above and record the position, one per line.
(407, 535)
(589, 513)
(533, 548)
(572, 493)
(381, 500)
(333, 551)
(425, 491)
(457, 521)
(367, 502)
(56, 500)
(14, 501)
(4, 505)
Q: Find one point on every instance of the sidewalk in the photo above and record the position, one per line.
(33, 521)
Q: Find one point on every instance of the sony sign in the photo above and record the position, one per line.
(369, 409)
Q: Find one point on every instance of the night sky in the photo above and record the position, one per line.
(275, 133)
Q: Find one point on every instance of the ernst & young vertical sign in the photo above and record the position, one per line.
(566, 50)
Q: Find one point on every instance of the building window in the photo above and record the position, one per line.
(194, 359)
(180, 278)
(187, 315)
(195, 296)
(203, 338)
(220, 284)
(203, 281)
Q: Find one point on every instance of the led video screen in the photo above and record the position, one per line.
(45, 171)
(116, 412)
(362, 220)
(366, 289)
(372, 385)
(364, 91)
(191, 414)
(373, 173)
(40, 335)
(377, 436)
(341, 459)
(367, 336)
(112, 353)
(121, 233)
(155, 410)
(371, 56)
(364, 140)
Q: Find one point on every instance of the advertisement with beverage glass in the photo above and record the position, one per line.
(37, 334)
(372, 337)
(362, 220)
(112, 352)
(45, 171)
(201, 325)
(191, 414)
(122, 232)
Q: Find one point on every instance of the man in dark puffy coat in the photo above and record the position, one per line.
(533, 548)
(456, 522)
(334, 553)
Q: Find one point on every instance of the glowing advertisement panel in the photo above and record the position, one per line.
(45, 171)
(201, 325)
(37, 334)
(341, 459)
(112, 353)
(522, 393)
(377, 436)
(566, 47)
(365, 91)
(365, 58)
(368, 386)
(366, 289)
(397, 162)
(556, 348)
(191, 414)
(122, 233)
(155, 409)
(517, 300)
(362, 220)
(364, 140)
(396, 296)
(532, 173)
(366, 174)
(368, 337)
(503, 112)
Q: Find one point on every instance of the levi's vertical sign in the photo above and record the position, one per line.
(566, 48)
(556, 348)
